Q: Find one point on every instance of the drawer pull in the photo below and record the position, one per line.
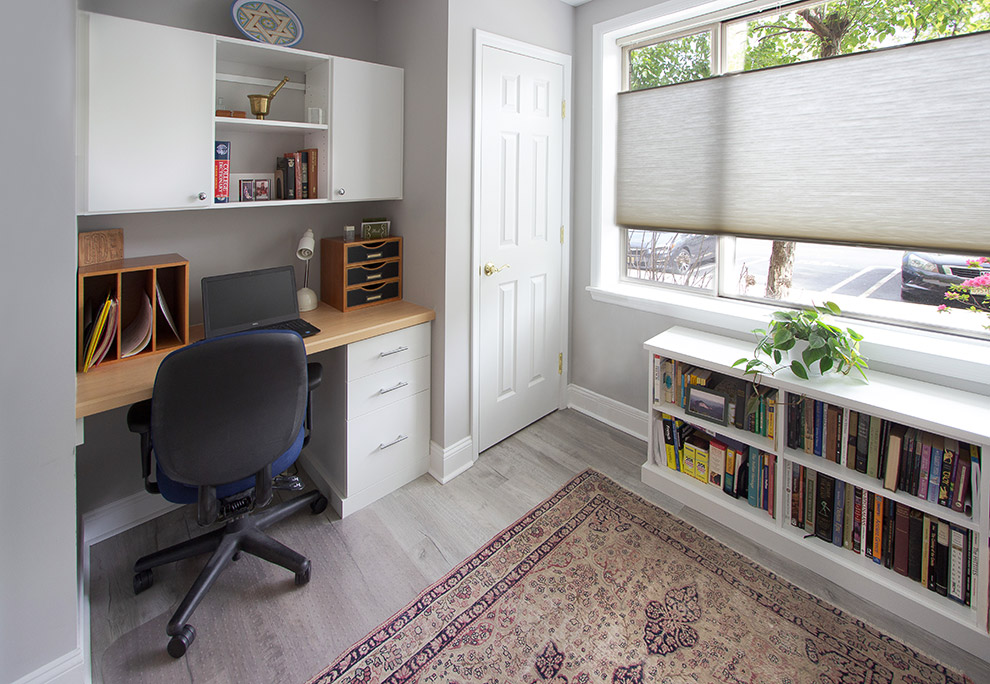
(374, 256)
(397, 350)
(373, 298)
(392, 389)
(400, 438)
(374, 276)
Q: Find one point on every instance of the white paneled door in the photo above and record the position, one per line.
(520, 217)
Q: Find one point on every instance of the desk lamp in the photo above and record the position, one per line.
(306, 297)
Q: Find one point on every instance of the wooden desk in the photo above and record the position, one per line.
(124, 383)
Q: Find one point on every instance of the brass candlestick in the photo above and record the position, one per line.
(261, 103)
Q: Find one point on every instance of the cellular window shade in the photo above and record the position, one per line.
(883, 148)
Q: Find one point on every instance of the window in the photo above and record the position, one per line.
(878, 283)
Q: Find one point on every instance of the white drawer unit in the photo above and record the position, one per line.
(371, 416)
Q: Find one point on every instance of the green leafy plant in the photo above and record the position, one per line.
(829, 347)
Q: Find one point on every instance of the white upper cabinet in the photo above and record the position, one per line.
(148, 100)
(147, 126)
(366, 131)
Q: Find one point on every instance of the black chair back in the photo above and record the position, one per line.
(225, 408)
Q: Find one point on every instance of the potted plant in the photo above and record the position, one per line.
(822, 344)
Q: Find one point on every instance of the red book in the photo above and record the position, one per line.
(902, 541)
(221, 171)
(312, 164)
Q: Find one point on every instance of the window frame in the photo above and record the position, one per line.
(920, 353)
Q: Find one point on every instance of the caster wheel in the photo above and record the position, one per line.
(303, 576)
(143, 580)
(319, 505)
(178, 644)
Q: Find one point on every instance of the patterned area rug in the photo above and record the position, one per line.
(598, 585)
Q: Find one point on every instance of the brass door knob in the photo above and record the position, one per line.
(489, 268)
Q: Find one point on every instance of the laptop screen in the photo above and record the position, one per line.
(242, 301)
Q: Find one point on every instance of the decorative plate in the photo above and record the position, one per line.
(267, 21)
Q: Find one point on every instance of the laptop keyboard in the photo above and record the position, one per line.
(296, 325)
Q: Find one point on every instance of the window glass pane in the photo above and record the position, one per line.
(847, 26)
(883, 284)
(684, 259)
(671, 61)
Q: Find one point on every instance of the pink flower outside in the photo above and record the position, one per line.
(979, 281)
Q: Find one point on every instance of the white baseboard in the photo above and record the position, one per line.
(446, 463)
(609, 411)
(69, 669)
(123, 514)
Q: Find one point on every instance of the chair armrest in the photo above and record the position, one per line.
(315, 372)
(139, 421)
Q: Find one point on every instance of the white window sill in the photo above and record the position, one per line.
(935, 357)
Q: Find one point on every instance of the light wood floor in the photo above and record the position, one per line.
(256, 626)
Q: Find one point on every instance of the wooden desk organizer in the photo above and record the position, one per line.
(127, 280)
(360, 273)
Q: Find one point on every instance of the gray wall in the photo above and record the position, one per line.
(38, 602)
(412, 34)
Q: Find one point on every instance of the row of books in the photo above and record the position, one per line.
(728, 400)
(940, 555)
(739, 470)
(297, 175)
(939, 469)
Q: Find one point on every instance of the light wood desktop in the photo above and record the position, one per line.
(124, 383)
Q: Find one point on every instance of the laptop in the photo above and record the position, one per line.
(253, 300)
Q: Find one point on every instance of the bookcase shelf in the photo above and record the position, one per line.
(920, 407)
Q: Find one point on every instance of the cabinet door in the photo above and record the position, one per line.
(366, 128)
(149, 108)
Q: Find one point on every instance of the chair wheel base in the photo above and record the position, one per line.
(178, 644)
(302, 577)
(143, 580)
(319, 505)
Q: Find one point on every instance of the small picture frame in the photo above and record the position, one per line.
(247, 190)
(375, 228)
(262, 189)
(708, 404)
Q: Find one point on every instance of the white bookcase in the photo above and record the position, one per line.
(932, 408)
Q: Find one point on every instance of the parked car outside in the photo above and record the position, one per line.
(926, 277)
(670, 252)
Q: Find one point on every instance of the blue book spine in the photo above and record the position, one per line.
(838, 512)
(935, 474)
(755, 473)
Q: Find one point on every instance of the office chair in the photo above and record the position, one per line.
(225, 415)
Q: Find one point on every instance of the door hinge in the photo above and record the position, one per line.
(561, 235)
(560, 363)
(563, 109)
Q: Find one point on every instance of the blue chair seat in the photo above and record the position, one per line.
(179, 493)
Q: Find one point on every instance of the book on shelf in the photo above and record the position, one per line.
(824, 507)
(312, 156)
(924, 444)
(857, 522)
(941, 565)
(958, 560)
(959, 489)
(916, 547)
(700, 445)
(850, 437)
(873, 447)
(951, 448)
(863, 443)
(809, 426)
(716, 462)
(755, 474)
(221, 171)
(902, 526)
(839, 512)
(935, 463)
(667, 431)
(810, 494)
(927, 552)
(892, 464)
(293, 181)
